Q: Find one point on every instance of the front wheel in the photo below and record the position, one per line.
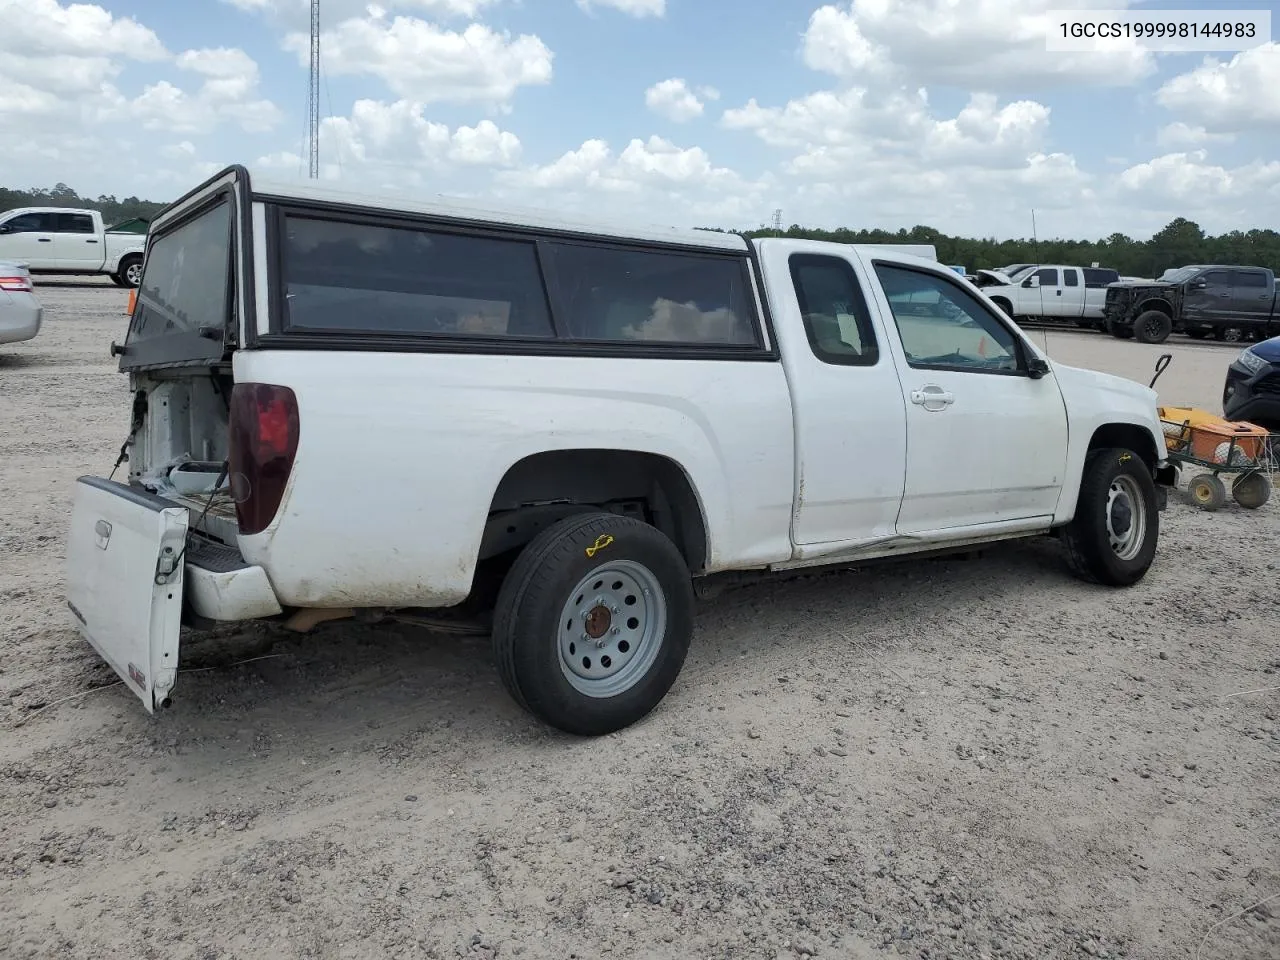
(593, 623)
(1112, 538)
(1153, 326)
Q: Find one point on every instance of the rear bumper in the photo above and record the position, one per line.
(221, 586)
(19, 317)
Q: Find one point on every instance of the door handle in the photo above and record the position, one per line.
(43, 240)
(932, 397)
(1059, 293)
(91, 241)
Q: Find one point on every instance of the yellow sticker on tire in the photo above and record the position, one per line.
(602, 541)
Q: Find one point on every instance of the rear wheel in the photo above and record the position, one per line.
(1207, 491)
(1153, 326)
(130, 272)
(593, 623)
(1252, 490)
(1228, 334)
(1112, 538)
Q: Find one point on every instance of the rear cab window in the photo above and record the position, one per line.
(834, 311)
(185, 300)
(1096, 277)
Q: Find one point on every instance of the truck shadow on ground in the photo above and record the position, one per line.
(359, 688)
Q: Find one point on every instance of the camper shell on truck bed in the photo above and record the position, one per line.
(353, 405)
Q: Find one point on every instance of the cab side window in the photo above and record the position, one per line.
(943, 326)
(836, 319)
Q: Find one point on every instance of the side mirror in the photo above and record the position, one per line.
(1031, 282)
(1199, 284)
(1037, 368)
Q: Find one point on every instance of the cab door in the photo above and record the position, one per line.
(29, 238)
(986, 440)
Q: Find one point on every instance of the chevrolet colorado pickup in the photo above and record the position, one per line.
(357, 405)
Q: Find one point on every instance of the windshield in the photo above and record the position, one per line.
(1177, 276)
(185, 295)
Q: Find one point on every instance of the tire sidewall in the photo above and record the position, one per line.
(1140, 327)
(534, 610)
(1104, 466)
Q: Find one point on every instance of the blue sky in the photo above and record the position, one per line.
(859, 113)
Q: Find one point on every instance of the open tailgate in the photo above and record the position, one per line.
(125, 580)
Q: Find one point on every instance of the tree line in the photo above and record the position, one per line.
(1179, 243)
(112, 210)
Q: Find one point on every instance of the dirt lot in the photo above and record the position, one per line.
(977, 758)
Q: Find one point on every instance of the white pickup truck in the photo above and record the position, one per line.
(58, 240)
(351, 405)
(1032, 291)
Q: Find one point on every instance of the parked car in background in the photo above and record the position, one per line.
(357, 405)
(69, 241)
(1226, 302)
(1252, 388)
(1053, 292)
(19, 308)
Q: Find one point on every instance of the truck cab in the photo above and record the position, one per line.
(352, 405)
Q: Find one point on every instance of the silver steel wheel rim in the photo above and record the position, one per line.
(133, 273)
(1126, 518)
(612, 628)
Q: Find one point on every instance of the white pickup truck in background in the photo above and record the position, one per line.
(62, 240)
(1033, 291)
(348, 405)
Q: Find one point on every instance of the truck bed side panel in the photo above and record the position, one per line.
(400, 455)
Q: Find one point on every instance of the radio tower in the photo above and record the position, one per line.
(313, 93)
(777, 220)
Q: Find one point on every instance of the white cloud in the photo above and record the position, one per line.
(425, 63)
(1233, 97)
(1179, 134)
(994, 45)
(45, 27)
(634, 8)
(674, 100)
(297, 11)
(395, 143)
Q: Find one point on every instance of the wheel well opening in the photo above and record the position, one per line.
(1129, 436)
(1163, 306)
(546, 487)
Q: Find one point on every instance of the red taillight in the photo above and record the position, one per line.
(263, 440)
(15, 284)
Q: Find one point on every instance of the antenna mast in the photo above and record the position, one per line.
(313, 93)
(777, 220)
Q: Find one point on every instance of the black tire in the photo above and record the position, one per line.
(527, 621)
(129, 272)
(117, 279)
(1087, 537)
(1005, 307)
(1252, 491)
(1152, 326)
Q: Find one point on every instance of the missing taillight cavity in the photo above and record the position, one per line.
(264, 433)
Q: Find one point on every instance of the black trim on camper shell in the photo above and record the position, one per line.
(241, 276)
(276, 336)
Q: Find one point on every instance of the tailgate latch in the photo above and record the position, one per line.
(165, 566)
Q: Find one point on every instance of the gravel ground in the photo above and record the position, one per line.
(979, 758)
